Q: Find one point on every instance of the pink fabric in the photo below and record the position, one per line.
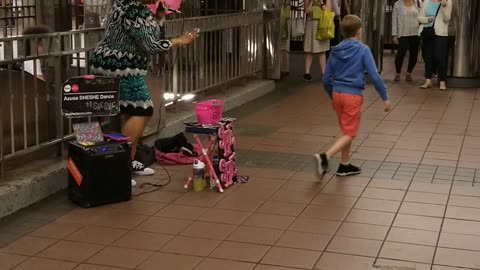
(173, 4)
(176, 158)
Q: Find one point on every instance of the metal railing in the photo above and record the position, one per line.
(230, 47)
(16, 15)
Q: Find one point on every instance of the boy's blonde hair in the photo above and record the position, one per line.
(350, 25)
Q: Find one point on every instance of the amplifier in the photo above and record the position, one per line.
(99, 174)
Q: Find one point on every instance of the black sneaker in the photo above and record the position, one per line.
(346, 170)
(322, 164)
(139, 169)
(307, 77)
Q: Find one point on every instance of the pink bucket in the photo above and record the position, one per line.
(209, 112)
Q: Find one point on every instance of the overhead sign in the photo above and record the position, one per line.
(90, 96)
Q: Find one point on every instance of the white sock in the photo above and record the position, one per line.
(345, 163)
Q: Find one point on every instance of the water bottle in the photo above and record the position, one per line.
(199, 183)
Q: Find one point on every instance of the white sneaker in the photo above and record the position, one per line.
(134, 183)
(427, 84)
(443, 86)
(139, 169)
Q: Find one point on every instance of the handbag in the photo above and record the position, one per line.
(326, 25)
(429, 32)
(298, 27)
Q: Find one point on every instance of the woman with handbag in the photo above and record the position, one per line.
(312, 45)
(434, 19)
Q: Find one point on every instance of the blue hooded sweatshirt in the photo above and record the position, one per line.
(345, 70)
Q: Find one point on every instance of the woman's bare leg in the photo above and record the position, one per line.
(133, 128)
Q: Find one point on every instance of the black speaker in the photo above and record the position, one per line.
(99, 174)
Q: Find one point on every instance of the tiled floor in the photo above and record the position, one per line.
(416, 204)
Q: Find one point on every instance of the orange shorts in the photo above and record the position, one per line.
(349, 112)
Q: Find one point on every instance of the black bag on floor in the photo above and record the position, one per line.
(145, 154)
(173, 144)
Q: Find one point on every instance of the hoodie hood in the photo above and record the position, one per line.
(347, 49)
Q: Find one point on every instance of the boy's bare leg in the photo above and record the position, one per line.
(343, 142)
(346, 153)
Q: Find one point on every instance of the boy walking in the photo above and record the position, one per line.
(344, 82)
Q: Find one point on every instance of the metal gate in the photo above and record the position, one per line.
(16, 15)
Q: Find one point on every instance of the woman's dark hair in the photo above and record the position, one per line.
(34, 30)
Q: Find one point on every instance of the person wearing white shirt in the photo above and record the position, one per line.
(34, 67)
(405, 35)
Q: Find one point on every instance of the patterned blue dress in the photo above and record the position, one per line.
(130, 38)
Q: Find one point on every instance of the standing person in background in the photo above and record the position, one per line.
(434, 18)
(311, 44)
(286, 30)
(405, 35)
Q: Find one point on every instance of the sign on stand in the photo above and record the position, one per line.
(91, 96)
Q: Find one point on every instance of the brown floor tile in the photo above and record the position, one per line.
(269, 221)
(344, 190)
(160, 196)
(333, 261)
(208, 230)
(199, 199)
(83, 216)
(305, 176)
(291, 257)
(388, 184)
(56, 230)
(377, 205)
(411, 236)
(139, 207)
(281, 208)
(8, 261)
(181, 212)
(273, 267)
(459, 241)
(120, 220)
(407, 252)
(96, 267)
(191, 246)
(241, 203)
(457, 258)
(120, 257)
(464, 201)
(383, 194)
(366, 231)
(461, 227)
(423, 197)
(45, 264)
(170, 261)
(466, 213)
(395, 263)
(28, 245)
(466, 191)
(217, 264)
(295, 196)
(240, 252)
(302, 240)
(430, 188)
(70, 251)
(418, 222)
(275, 173)
(319, 226)
(438, 267)
(422, 209)
(328, 200)
(163, 225)
(322, 212)
(255, 235)
(143, 240)
(354, 246)
(356, 181)
(370, 217)
(224, 216)
(97, 235)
